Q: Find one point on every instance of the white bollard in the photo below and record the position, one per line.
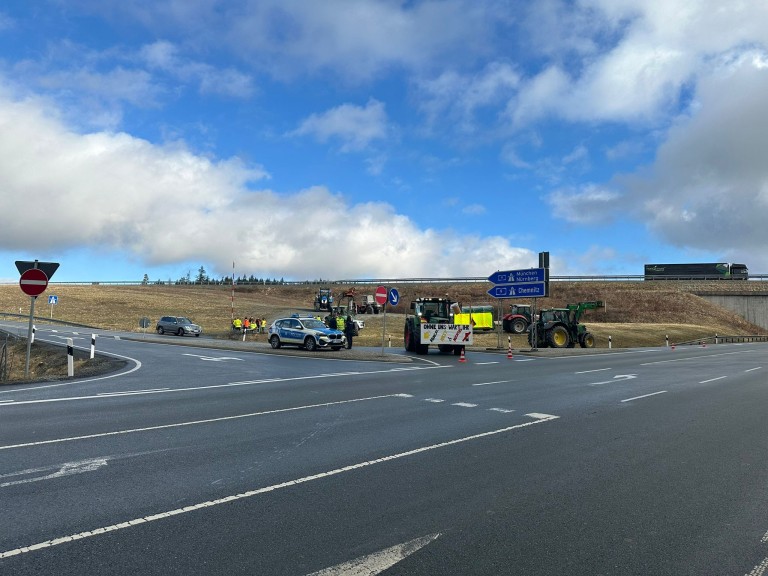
(666, 340)
(70, 358)
(389, 339)
(93, 345)
(610, 342)
(32, 340)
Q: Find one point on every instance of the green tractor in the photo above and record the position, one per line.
(560, 328)
(428, 311)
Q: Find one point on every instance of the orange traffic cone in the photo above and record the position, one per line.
(673, 346)
(509, 352)
(462, 358)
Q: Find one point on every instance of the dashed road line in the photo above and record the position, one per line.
(538, 419)
(645, 396)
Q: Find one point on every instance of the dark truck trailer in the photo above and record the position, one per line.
(702, 271)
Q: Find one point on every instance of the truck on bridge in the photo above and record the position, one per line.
(702, 271)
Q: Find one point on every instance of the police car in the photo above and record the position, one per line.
(307, 332)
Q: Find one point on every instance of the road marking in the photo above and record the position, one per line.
(764, 539)
(617, 378)
(696, 357)
(377, 562)
(210, 387)
(644, 396)
(213, 358)
(753, 369)
(590, 371)
(502, 410)
(540, 419)
(51, 472)
(129, 392)
(194, 422)
(712, 379)
(433, 400)
(136, 366)
(760, 569)
(464, 405)
(485, 363)
(489, 383)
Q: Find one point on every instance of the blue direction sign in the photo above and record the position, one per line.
(53, 299)
(394, 296)
(522, 290)
(518, 276)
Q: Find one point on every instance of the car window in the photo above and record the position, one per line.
(184, 321)
(314, 324)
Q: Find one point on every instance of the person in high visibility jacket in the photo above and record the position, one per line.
(237, 324)
(340, 322)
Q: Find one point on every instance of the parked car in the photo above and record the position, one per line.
(178, 325)
(306, 332)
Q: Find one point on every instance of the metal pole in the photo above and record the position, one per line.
(29, 334)
(384, 322)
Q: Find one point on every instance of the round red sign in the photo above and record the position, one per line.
(381, 295)
(33, 282)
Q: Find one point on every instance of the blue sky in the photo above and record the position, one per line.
(344, 139)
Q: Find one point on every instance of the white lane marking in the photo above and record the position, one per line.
(540, 419)
(195, 422)
(434, 400)
(524, 359)
(7, 401)
(753, 369)
(644, 396)
(696, 357)
(760, 569)
(712, 379)
(485, 363)
(617, 378)
(489, 383)
(377, 562)
(590, 371)
(764, 539)
(129, 392)
(213, 358)
(502, 410)
(210, 387)
(51, 472)
(464, 405)
(137, 365)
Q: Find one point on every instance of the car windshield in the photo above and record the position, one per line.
(184, 321)
(314, 324)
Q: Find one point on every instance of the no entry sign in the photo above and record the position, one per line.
(33, 282)
(381, 295)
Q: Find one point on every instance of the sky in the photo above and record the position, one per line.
(362, 139)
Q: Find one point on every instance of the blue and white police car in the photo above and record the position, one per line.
(309, 333)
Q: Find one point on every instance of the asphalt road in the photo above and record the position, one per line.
(210, 461)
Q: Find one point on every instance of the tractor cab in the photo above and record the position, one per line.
(432, 310)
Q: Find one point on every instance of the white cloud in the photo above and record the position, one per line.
(168, 205)
(586, 206)
(355, 127)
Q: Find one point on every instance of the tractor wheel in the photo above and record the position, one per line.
(540, 341)
(422, 348)
(506, 325)
(457, 350)
(410, 345)
(519, 325)
(557, 337)
(445, 348)
(587, 340)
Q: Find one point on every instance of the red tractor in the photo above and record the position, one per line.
(518, 319)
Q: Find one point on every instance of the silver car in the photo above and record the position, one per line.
(178, 325)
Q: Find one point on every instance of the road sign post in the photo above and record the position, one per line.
(33, 282)
(381, 299)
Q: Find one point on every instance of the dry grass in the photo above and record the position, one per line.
(636, 313)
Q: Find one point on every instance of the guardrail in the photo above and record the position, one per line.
(392, 281)
(388, 281)
(717, 339)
